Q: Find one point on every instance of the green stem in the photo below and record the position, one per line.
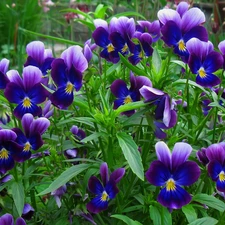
(100, 219)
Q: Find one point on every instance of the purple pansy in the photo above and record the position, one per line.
(39, 56)
(172, 171)
(201, 156)
(30, 138)
(203, 62)
(67, 74)
(27, 91)
(105, 190)
(221, 47)
(28, 211)
(124, 95)
(180, 26)
(7, 219)
(58, 193)
(9, 150)
(4, 115)
(4, 65)
(216, 166)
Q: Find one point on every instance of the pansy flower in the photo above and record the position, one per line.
(216, 166)
(203, 62)
(181, 25)
(28, 211)
(30, 138)
(172, 171)
(4, 64)
(105, 190)
(9, 149)
(221, 47)
(67, 74)
(124, 95)
(27, 92)
(58, 193)
(7, 219)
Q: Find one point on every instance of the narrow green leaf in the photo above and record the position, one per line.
(210, 201)
(18, 196)
(100, 11)
(65, 177)
(204, 221)
(166, 216)
(190, 213)
(155, 215)
(180, 63)
(129, 13)
(135, 69)
(93, 136)
(126, 219)
(156, 60)
(131, 153)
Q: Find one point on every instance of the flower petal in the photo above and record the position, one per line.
(14, 93)
(209, 81)
(220, 185)
(117, 175)
(174, 199)
(7, 135)
(150, 94)
(96, 205)
(213, 62)
(214, 169)
(104, 172)
(119, 89)
(216, 152)
(163, 153)
(14, 77)
(95, 186)
(20, 110)
(166, 15)
(26, 121)
(6, 219)
(4, 65)
(40, 125)
(36, 50)
(182, 8)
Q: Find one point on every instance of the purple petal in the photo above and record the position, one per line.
(6, 164)
(138, 82)
(95, 186)
(187, 173)
(201, 155)
(101, 23)
(20, 221)
(14, 93)
(220, 185)
(6, 219)
(104, 172)
(167, 111)
(101, 37)
(39, 125)
(28, 211)
(31, 76)
(166, 15)
(126, 26)
(4, 65)
(74, 56)
(7, 135)
(221, 47)
(26, 121)
(96, 205)
(214, 169)
(117, 175)
(213, 62)
(6, 178)
(174, 199)
(158, 132)
(158, 173)
(182, 8)
(87, 53)
(75, 77)
(216, 152)
(36, 50)
(111, 189)
(180, 154)
(150, 94)
(196, 32)
(193, 17)
(119, 89)
(14, 77)
(71, 153)
(209, 81)
(163, 153)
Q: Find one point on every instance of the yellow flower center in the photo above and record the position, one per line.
(125, 48)
(69, 88)
(110, 48)
(181, 45)
(4, 154)
(26, 147)
(170, 185)
(141, 55)
(128, 99)
(222, 176)
(202, 72)
(105, 196)
(26, 102)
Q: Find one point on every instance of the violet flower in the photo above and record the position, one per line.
(172, 171)
(30, 138)
(27, 91)
(201, 156)
(7, 219)
(9, 149)
(58, 193)
(4, 64)
(4, 116)
(216, 166)
(105, 190)
(67, 74)
(28, 212)
(125, 95)
(203, 62)
(180, 26)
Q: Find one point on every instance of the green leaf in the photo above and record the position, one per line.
(155, 215)
(135, 69)
(180, 63)
(204, 221)
(131, 153)
(190, 213)
(129, 13)
(65, 177)
(18, 196)
(100, 11)
(126, 219)
(156, 60)
(210, 201)
(93, 136)
(166, 216)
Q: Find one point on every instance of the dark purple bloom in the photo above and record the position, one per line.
(216, 166)
(58, 193)
(48, 109)
(39, 56)
(4, 64)
(7, 219)
(27, 91)
(78, 133)
(172, 171)
(124, 95)
(180, 26)
(153, 28)
(203, 62)
(67, 74)
(9, 149)
(88, 48)
(105, 190)
(28, 211)
(221, 47)
(30, 138)
(201, 155)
